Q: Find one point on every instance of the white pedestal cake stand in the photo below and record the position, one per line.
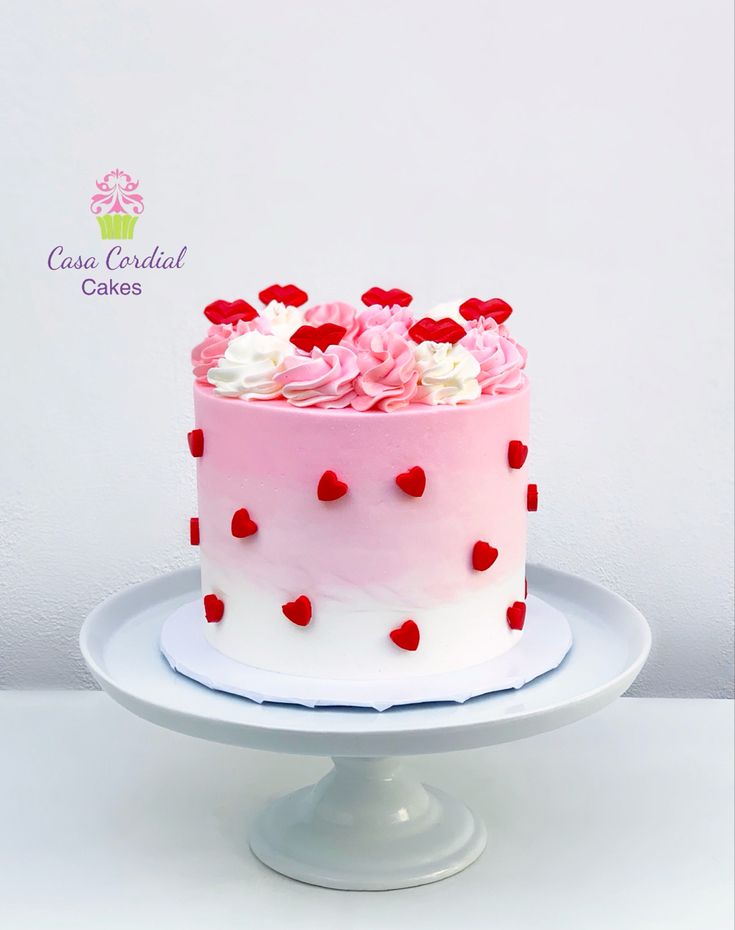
(367, 825)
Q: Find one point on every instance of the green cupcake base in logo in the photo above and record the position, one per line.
(117, 204)
(117, 225)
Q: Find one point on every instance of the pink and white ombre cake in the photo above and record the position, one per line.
(363, 484)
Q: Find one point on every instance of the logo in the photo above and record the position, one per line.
(116, 205)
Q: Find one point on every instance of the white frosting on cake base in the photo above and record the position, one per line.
(349, 628)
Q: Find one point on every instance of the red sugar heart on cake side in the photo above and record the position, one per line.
(516, 615)
(214, 608)
(483, 556)
(195, 439)
(321, 337)
(194, 531)
(394, 297)
(330, 488)
(229, 311)
(517, 453)
(298, 611)
(532, 497)
(413, 481)
(495, 308)
(406, 636)
(242, 525)
(289, 295)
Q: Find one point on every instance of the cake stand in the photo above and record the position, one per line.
(368, 824)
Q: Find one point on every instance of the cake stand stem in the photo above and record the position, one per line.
(367, 825)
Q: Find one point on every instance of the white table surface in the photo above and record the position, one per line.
(624, 819)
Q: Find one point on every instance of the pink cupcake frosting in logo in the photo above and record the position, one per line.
(117, 205)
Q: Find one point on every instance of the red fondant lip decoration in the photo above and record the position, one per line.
(475, 309)
(483, 556)
(330, 488)
(413, 481)
(395, 297)
(532, 497)
(214, 608)
(517, 453)
(194, 531)
(242, 525)
(288, 294)
(516, 615)
(225, 311)
(428, 330)
(196, 443)
(298, 611)
(320, 337)
(407, 636)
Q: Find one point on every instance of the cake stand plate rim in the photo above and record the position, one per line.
(119, 642)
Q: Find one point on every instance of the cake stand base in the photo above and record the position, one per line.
(367, 826)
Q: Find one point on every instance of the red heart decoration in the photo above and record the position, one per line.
(225, 311)
(413, 481)
(516, 615)
(298, 611)
(214, 608)
(483, 556)
(395, 297)
(196, 443)
(242, 525)
(330, 488)
(532, 497)
(407, 636)
(428, 330)
(517, 453)
(289, 294)
(308, 337)
(475, 309)
(194, 531)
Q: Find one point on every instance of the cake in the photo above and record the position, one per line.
(363, 484)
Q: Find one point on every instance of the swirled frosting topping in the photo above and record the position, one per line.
(281, 320)
(249, 367)
(447, 374)
(388, 374)
(323, 378)
(394, 319)
(212, 348)
(338, 313)
(501, 359)
(380, 358)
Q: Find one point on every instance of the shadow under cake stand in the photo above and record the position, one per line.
(368, 824)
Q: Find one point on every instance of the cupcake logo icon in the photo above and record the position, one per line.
(117, 205)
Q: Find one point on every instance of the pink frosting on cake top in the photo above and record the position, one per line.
(501, 359)
(388, 373)
(339, 313)
(380, 363)
(322, 379)
(391, 319)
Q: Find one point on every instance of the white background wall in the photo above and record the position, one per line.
(572, 157)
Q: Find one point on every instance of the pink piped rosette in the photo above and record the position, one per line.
(382, 357)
